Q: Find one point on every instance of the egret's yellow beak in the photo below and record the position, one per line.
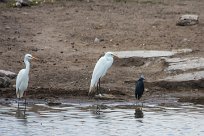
(35, 58)
(115, 55)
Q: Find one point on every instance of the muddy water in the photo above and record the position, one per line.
(102, 118)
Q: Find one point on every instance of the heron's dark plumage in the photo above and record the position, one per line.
(139, 89)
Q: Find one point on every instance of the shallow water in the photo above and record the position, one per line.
(103, 118)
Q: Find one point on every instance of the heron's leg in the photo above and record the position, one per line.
(142, 102)
(136, 101)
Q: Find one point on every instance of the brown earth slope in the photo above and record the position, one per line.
(62, 36)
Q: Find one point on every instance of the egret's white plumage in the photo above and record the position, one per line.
(23, 77)
(101, 67)
(21, 83)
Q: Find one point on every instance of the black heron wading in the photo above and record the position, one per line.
(139, 87)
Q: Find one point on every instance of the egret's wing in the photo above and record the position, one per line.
(107, 65)
(19, 80)
(100, 70)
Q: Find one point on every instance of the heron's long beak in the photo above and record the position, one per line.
(35, 58)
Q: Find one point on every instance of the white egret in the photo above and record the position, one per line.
(101, 67)
(23, 78)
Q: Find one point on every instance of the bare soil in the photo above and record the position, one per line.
(61, 35)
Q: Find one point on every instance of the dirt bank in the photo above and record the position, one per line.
(62, 36)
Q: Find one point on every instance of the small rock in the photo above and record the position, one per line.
(187, 20)
(185, 40)
(96, 40)
(35, 49)
(8, 74)
(18, 4)
(4, 82)
(21, 3)
(7, 27)
(102, 40)
(53, 102)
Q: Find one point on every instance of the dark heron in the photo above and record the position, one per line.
(139, 87)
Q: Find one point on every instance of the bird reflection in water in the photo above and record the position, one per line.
(21, 113)
(98, 109)
(138, 112)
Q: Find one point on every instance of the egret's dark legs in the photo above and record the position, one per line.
(99, 83)
(99, 87)
(25, 99)
(25, 108)
(24, 112)
(18, 102)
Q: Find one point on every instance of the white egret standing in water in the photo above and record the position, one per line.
(23, 78)
(101, 67)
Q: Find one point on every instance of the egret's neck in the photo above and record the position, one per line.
(27, 63)
(109, 58)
